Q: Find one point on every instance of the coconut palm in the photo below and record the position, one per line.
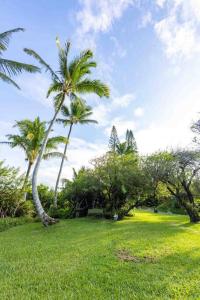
(78, 113)
(30, 138)
(9, 68)
(70, 80)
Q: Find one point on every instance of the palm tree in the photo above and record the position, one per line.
(78, 113)
(70, 80)
(30, 138)
(9, 68)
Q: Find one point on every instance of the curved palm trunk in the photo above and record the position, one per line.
(46, 220)
(61, 167)
(26, 178)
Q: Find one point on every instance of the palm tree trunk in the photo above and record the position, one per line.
(61, 167)
(26, 178)
(46, 220)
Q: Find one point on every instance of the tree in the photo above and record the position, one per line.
(130, 141)
(11, 197)
(121, 182)
(30, 137)
(9, 68)
(70, 80)
(196, 129)
(114, 140)
(177, 170)
(79, 113)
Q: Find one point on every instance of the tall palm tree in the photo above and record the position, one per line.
(78, 113)
(69, 80)
(9, 68)
(30, 138)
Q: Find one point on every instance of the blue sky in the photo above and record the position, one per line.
(148, 51)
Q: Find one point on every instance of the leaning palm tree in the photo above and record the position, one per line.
(79, 113)
(71, 79)
(9, 68)
(30, 138)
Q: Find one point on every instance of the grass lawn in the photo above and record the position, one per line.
(149, 256)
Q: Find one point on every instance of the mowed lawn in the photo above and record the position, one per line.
(148, 256)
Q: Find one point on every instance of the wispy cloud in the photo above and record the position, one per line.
(35, 88)
(98, 16)
(179, 29)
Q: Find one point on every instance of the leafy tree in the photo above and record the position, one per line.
(9, 68)
(177, 170)
(114, 140)
(70, 80)
(30, 137)
(121, 182)
(79, 113)
(83, 192)
(11, 196)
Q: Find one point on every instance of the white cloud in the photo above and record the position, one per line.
(103, 112)
(139, 112)
(118, 49)
(35, 88)
(121, 125)
(160, 2)
(179, 30)
(146, 19)
(79, 154)
(98, 16)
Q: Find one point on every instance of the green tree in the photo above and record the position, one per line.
(11, 196)
(178, 170)
(114, 140)
(70, 80)
(78, 113)
(30, 138)
(130, 141)
(9, 68)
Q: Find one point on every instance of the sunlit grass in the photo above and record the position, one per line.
(77, 259)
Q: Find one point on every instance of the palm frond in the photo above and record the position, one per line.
(54, 87)
(11, 67)
(7, 79)
(59, 100)
(53, 155)
(53, 142)
(93, 86)
(42, 63)
(5, 38)
(87, 121)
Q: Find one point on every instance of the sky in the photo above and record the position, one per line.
(147, 51)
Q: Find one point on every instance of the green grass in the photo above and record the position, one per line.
(77, 259)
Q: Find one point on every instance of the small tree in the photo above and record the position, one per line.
(114, 140)
(177, 170)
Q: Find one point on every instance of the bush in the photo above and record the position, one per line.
(59, 213)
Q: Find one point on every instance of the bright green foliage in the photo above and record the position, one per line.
(77, 113)
(30, 138)
(11, 196)
(78, 259)
(10, 68)
(72, 77)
